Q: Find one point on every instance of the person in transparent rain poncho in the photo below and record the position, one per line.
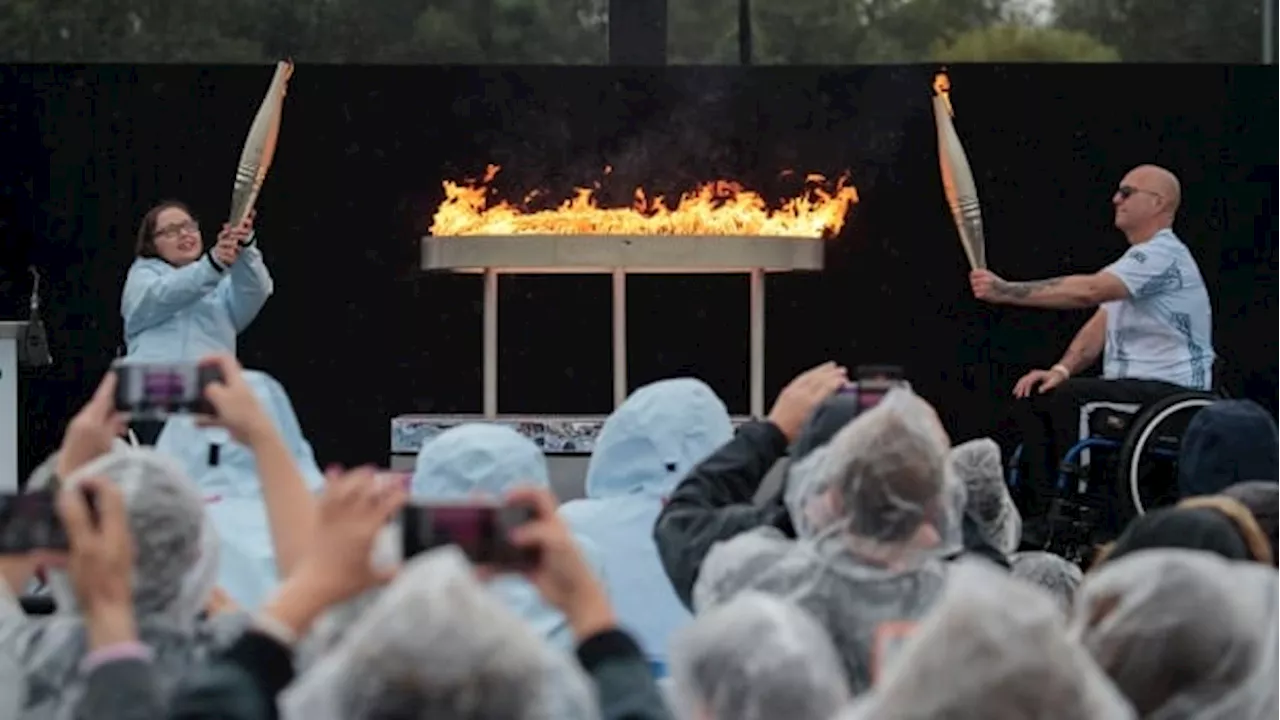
(176, 565)
(974, 491)
(756, 658)
(436, 645)
(976, 473)
(1184, 634)
(646, 447)
(227, 474)
(1052, 573)
(994, 648)
(987, 501)
(481, 460)
(872, 566)
(813, 511)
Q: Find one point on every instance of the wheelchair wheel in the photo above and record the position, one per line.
(1157, 429)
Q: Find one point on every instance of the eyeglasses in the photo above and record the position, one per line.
(1127, 191)
(189, 226)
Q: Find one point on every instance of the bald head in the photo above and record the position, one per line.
(1146, 201)
(1160, 181)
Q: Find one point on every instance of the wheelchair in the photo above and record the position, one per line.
(1124, 466)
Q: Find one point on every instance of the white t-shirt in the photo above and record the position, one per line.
(1164, 329)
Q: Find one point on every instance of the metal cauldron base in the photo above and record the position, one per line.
(620, 255)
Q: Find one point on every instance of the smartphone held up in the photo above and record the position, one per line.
(872, 382)
(480, 529)
(30, 522)
(154, 391)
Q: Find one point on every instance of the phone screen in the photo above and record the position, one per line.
(156, 390)
(30, 522)
(479, 530)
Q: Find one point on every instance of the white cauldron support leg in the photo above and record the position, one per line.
(757, 343)
(490, 343)
(619, 336)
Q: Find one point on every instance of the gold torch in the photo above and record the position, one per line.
(957, 178)
(260, 145)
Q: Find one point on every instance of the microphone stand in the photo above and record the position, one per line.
(34, 349)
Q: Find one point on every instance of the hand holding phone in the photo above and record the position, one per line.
(101, 558)
(230, 402)
(805, 392)
(93, 430)
(562, 574)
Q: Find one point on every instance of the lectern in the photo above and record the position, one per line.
(11, 333)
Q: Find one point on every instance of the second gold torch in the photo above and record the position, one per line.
(259, 146)
(957, 178)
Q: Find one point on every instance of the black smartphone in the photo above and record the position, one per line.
(157, 390)
(872, 382)
(30, 521)
(480, 530)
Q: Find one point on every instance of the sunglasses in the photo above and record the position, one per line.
(1127, 191)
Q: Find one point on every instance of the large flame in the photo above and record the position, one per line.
(717, 208)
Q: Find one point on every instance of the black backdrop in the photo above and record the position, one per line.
(358, 335)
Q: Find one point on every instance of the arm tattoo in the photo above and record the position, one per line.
(1023, 289)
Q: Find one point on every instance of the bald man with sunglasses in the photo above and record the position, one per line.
(1154, 324)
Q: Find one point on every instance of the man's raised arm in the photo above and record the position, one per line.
(1069, 292)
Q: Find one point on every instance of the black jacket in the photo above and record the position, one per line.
(714, 503)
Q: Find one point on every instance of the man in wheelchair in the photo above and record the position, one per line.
(1153, 325)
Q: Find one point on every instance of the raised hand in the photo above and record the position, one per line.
(562, 575)
(93, 430)
(227, 248)
(798, 399)
(236, 407)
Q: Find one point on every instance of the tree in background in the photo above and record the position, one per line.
(703, 32)
(123, 31)
(574, 31)
(469, 31)
(510, 31)
(1165, 31)
(325, 31)
(826, 32)
(1014, 43)
(907, 31)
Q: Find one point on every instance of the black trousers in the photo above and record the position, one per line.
(1049, 424)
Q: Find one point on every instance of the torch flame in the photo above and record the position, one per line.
(721, 207)
(942, 86)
